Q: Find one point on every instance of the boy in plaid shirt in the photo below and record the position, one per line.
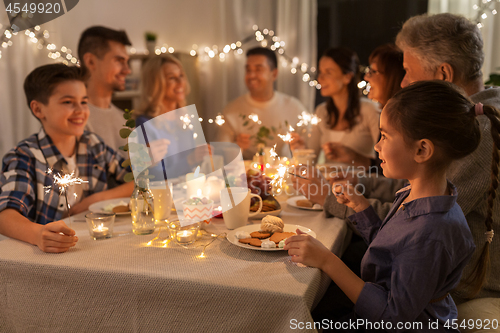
(57, 96)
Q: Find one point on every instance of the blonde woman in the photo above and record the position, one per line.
(164, 89)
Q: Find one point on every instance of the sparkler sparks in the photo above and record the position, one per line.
(278, 178)
(273, 152)
(62, 182)
(186, 121)
(288, 136)
(305, 118)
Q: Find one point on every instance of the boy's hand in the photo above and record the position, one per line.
(307, 250)
(348, 195)
(56, 237)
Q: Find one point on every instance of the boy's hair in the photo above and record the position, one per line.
(269, 54)
(437, 111)
(95, 40)
(41, 82)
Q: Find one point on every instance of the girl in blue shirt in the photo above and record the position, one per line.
(416, 255)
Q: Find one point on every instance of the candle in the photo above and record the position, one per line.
(100, 231)
(195, 182)
(185, 236)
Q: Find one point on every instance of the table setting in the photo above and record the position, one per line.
(176, 277)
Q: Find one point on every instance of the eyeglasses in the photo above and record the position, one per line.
(369, 71)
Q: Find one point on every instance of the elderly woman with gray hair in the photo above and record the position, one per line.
(450, 48)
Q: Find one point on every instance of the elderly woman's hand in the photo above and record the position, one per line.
(310, 182)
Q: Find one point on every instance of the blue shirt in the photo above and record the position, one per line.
(415, 255)
(24, 174)
(181, 143)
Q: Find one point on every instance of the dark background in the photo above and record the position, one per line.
(362, 25)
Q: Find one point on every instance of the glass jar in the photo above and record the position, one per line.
(142, 208)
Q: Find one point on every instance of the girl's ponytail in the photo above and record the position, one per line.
(479, 275)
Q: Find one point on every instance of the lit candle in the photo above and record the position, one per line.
(185, 236)
(195, 181)
(100, 231)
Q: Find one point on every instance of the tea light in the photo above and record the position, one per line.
(185, 236)
(100, 231)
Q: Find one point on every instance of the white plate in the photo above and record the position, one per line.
(261, 215)
(293, 202)
(231, 235)
(99, 207)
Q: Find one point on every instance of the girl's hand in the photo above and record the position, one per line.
(307, 250)
(350, 195)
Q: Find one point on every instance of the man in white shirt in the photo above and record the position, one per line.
(103, 55)
(274, 109)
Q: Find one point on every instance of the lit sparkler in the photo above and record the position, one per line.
(287, 138)
(62, 182)
(305, 118)
(186, 121)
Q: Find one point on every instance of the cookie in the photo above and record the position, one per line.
(245, 240)
(255, 242)
(121, 209)
(260, 235)
(279, 236)
(304, 203)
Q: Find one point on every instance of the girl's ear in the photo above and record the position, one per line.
(425, 150)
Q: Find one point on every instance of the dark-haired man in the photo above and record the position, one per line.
(273, 109)
(104, 57)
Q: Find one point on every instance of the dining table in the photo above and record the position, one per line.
(147, 283)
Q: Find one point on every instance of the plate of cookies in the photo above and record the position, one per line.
(302, 202)
(269, 235)
(118, 206)
(270, 206)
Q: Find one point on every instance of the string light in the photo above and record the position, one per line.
(265, 36)
(483, 8)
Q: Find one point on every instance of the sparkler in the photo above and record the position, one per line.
(62, 182)
(305, 118)
(287, 138)
(186, 121)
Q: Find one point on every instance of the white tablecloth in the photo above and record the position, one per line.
(123, 285)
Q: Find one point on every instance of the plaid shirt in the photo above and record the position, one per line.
(24, 174)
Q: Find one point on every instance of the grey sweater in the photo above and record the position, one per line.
(472, 177)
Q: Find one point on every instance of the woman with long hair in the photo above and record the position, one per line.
(349, 124)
